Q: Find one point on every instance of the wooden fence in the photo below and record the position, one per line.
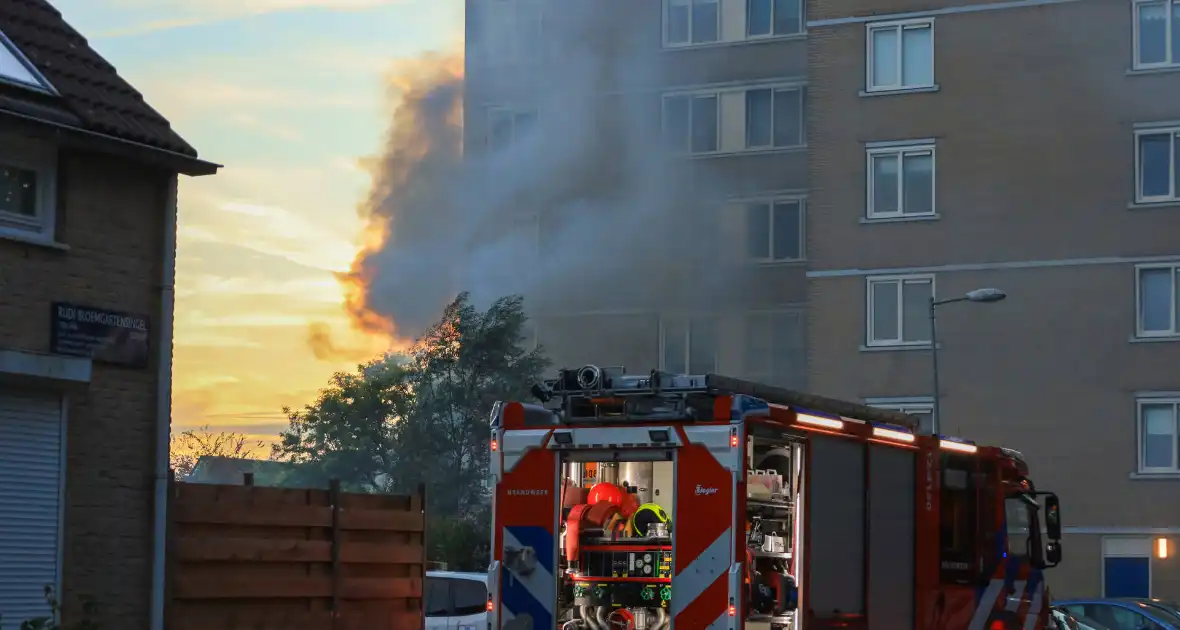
(248, 557)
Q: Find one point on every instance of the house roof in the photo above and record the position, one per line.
(91, 95)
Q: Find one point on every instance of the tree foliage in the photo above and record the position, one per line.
(422, 417)
(187, 447)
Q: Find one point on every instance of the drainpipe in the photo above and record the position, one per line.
(164, 409)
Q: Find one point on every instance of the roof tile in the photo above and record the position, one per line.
(90, 86)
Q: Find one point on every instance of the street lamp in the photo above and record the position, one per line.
(978, 295)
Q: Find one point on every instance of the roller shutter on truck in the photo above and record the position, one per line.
(30, 502)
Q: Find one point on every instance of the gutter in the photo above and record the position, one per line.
(164, 410)
(185, 164)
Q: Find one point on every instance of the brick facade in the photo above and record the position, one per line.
(111, 215)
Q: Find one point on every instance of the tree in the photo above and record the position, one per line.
(462, 366)
(187, 447)
(423, 418)
(348, 432)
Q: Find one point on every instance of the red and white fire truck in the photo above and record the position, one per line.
(627, 502)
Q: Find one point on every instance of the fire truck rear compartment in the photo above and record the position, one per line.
(618, 568)
(851, 511)
(848, 504)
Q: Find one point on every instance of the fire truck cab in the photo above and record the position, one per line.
(657, 501)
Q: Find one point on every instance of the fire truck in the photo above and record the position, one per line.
(664, 501)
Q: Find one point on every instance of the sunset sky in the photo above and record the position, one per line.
(290, 96)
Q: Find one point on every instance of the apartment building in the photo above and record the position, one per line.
(714, 90)
(1032, 147)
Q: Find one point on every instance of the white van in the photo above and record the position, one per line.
(456, 601)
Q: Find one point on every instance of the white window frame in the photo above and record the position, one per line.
(899, 26)
(772, 34)
(716, 94)
(900, 151)
(900, 280)
(905, 404)
(1140, 433)
(1173, 132)
(719, 93)
(688, 319)
(665, 5)
(741, 205)
(1175, 323)
(1172, 59)
(801, 92)
(41, 158)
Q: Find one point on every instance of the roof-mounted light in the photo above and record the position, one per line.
(896, 435)
(950, 444)
(820, 421)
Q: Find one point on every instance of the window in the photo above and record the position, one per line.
(438, 597)
(1156, 165)
(507, 126)
(1158, 435)
(15, 69)
(1017, 520)
(1157, 33)
(773, 17)
(735, 119)
(1157, 300)
(900, 55)
(689, 345)
(688, 22)
(775, 348)
(27, 189)
(774, 117)
(774, 230)
(920, 408)
(470, 596)
(899, 310)
(901, 181)
(690, 123)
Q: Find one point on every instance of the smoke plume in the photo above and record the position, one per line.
(582, 210)
(319, 339)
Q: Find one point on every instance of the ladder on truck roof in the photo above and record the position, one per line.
(595, 393)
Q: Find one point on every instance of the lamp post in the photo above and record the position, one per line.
(978, 295)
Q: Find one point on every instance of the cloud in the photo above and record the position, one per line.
(270, 230)
(188, 97)
(323, 289)
(268, 128)
(186, 13)
(186, 337)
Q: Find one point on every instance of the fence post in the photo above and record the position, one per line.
(334, 497)
(425, 553)
(171, 566)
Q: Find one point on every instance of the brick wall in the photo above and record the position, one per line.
(111, 214)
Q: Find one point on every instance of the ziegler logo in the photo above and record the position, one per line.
(702, 490)
(527, 493)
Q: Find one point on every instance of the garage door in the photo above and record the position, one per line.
(30, 482)
(1126, 567)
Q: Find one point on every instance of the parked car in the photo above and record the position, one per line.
(1123, 614)
(1171, 608)
(456, 601)
(1067, 621)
